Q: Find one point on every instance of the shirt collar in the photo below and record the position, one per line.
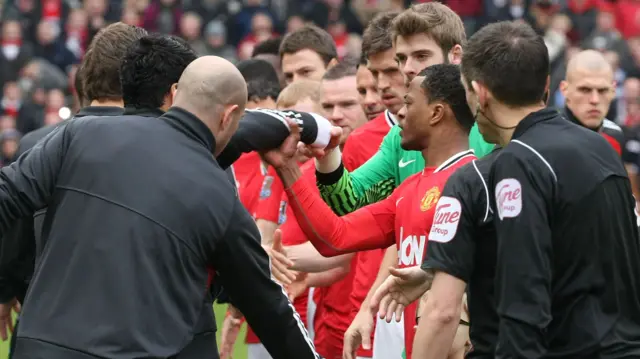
(533, 119)
(391, 118)
(99, 111)
(190, 125)
(142, 111)
(571, 117)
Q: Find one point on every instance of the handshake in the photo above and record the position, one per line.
(293, 151)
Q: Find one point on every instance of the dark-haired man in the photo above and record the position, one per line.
(99, 83)
(567, 275)
(307, 53)
(431, 111)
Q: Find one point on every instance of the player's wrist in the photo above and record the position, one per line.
(329, 162)
(289, 174)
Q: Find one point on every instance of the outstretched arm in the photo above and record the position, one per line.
(369, 228)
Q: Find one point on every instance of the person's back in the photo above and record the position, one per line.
(135, 235)
(595, 291)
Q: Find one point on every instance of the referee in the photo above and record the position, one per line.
(138, 213)
(567, 272)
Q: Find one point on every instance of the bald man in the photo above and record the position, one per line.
(589, 89)
(141, 218)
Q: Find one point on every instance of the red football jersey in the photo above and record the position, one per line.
(404, 218)
(250, 173)
(365, 141)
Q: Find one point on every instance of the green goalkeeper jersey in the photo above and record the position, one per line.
(382, 173)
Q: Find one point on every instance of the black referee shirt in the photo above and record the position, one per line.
(568, 268)
(468, 249)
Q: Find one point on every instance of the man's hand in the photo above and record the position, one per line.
(280, 264)
(314, 152)
(230, 330)
(6, 320)
(401, 288)
(285, 155)
(359, 333)
(298, 286)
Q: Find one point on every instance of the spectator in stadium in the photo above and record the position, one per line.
(261, 30)
(150, 72)
(163, 16)
(268, 51)
(190, 31)
(99, 82)
(215, 36)
(16, 52)
(51, 48)
(369, 96)
(307, 53)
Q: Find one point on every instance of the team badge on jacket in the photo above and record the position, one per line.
(430, 198)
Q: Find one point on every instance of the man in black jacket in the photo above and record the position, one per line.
(104, 97)
(138, 212)
(567, 278)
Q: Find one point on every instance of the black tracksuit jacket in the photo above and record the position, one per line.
(138, 212)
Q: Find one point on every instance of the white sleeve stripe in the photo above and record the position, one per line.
(611, 125)
(297, 318)
(272, 114)
(486, 191)
(539, 156)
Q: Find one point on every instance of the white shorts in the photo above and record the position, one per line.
(389, 339)
(257, 351)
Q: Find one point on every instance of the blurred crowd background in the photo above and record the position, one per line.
(44, 40)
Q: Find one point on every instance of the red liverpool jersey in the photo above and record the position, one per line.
(404, 218)
(250, 173)
(270, 205)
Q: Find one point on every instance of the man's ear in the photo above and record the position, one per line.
(564, 87)
(481, 92)
(438, 112)
(455, 55)
(332, 63)
(227, 116)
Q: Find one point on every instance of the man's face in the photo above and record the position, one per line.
(416, 52)
(588, 95)
(304, 64)
(368, 90)
(413, 117)
(391, 83)
(340, 105)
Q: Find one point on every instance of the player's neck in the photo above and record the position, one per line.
(509, 118)
(107, 103)
(441, 148)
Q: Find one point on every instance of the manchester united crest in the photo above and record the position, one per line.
(430, 198)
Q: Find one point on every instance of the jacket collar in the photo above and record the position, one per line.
(190, 125)
(571, 117)
(142, 111)
(99, 111)
(533, 119)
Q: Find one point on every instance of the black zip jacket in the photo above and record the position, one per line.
(567, 273)
(138, 211)
(17, 249)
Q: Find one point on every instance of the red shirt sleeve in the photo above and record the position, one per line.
(268, 207)
(370, 227)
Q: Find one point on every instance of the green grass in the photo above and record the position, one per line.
(239, 352)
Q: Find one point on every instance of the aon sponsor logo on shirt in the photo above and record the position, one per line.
(411, 249)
